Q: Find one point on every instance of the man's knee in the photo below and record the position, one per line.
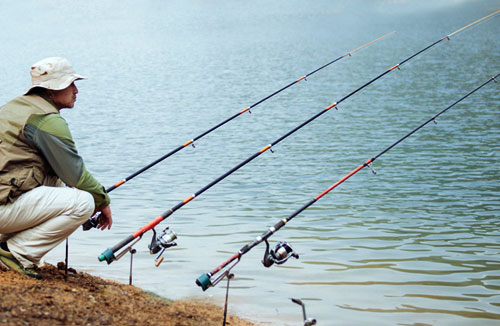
(84, 207)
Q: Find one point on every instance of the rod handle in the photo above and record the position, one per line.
(109, 254)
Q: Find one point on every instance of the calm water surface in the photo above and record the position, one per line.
(415, 244)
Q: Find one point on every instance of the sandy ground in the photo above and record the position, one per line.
(84, 299)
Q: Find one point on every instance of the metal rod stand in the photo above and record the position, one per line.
(132, 252)
(66, 260)
(229, 277)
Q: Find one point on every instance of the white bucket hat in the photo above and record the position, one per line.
(53, 73)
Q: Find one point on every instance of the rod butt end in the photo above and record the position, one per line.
(107, 256)
(204, 281)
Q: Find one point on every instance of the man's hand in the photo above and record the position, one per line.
(105, 219)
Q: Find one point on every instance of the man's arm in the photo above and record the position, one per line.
(50, 134)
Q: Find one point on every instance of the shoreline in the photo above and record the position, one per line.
(84, 299)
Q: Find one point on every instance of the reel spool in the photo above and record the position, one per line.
(279, 255)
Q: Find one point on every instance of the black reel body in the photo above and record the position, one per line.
(279, 255)
(91, 223)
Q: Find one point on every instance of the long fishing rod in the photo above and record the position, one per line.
(94, 220)
(283, 250)
(165, 240)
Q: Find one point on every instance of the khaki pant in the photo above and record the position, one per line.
(42, 218)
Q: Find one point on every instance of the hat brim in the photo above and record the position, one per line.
(57, 84)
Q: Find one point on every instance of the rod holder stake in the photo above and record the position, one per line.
(132, 252)
(229, 277)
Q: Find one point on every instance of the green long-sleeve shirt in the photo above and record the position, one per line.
(50, 134)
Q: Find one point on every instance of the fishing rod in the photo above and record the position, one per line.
(93, 221)
(166, 238)
(283, 250)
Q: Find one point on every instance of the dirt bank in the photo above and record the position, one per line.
(84, 299)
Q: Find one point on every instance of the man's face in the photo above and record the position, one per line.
(65, 98)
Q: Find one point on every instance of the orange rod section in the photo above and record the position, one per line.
(245, 110)
(300, 78)
(215, 271)
(339, 182)
(265, 149)
(394, 67)
(331, 106)
(148, 226)
(120, 183)
(187, 200)
(187, 143)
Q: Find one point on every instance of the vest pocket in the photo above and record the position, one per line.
(21, 181)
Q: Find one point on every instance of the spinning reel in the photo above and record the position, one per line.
(92, 222)
(279, 255)
(159, 244)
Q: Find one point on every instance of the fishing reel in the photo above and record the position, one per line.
(307, 321)
(279, 255)
(161, 243)
(92, 222)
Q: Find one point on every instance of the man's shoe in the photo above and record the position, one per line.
(8, 260)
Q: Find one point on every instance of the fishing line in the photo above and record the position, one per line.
(283, 250)
(165, 239)
(191, 141)
(94, 220)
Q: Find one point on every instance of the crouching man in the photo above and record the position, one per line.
(46, 192)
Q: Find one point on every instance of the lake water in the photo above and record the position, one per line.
(416, 244)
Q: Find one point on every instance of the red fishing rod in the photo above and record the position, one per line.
(93, 221)
(165, 240)
(283, 250)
